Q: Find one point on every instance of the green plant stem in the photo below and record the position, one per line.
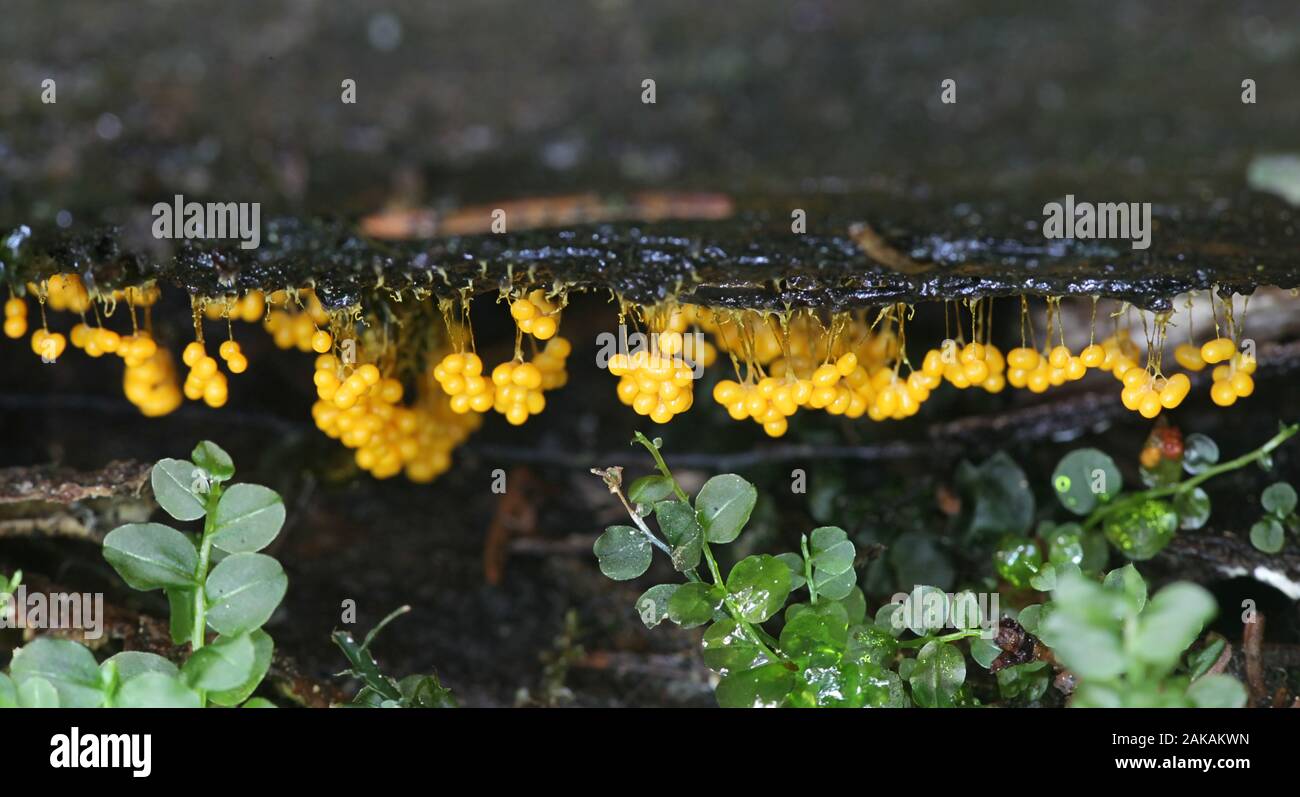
(758, 636)
(807, 569)
(1192, 483)
(921, 642)
(663, 466)
(199, 634)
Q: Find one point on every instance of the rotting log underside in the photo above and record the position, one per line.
(750, 261)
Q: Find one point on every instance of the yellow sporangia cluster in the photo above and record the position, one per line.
(658, 380)
(514, 388)
(403, 405)
(363, 409)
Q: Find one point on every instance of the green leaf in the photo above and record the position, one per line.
(815, 640)
(984, 651)
(180, 602)
(832, 553)
(242, 591)
(8, 692)
(1085, 478)
(1083, 627)
(835, 587)
(759, 585)
(1200, 662)
(1064, 543)
(842, 685)
(1199, 453)
(227, 663)
(1030, 617)
(795, 562)
(1142, 531)
(939, 672)
(151, 556)
(855, 606)
(999, 496)
(761, 687)
(694, 604)
(725, 503)
(259, 702)
(1279, 499)
(68, 667)
(623, 552)
(213, 459)
(36, 692)
(925, 610)
(1267, 535)
(1193, 508)
(681, 528)
(247, 518)
(652, 606)
(1026, 682)
(1017, 559)
(727, 649)
(1128, 581)
(157, 690)
(964, 610)
(869, 644)
(174, 482)
(649, 490)
(133, 663)
(262, 648)
(1217, 691)
(1171, 623)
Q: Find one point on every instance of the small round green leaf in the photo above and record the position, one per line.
(1279, 498)
(227, 663)
(1217, 691)
(759, 586)
(133, 663)
(213, 459)
(1142, 531)
(151, 556)
(832, 553)
(649, 490)
(262, 649)
(1172, 621)
(939, 672)
(157, 690)
(242, 591)
(623, 552)
(1199, 453)
(725, 503)
(925, 610)
(681, 528)
(761, 687)
(68, 667)
(795, 562)
(727, 649)
(37, 693)
(1084, 478)
(1193, 508)
(1017, 559)
(1267, 535)
(652, 606)
(174, 482)
(247, 518)
(694, 604)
